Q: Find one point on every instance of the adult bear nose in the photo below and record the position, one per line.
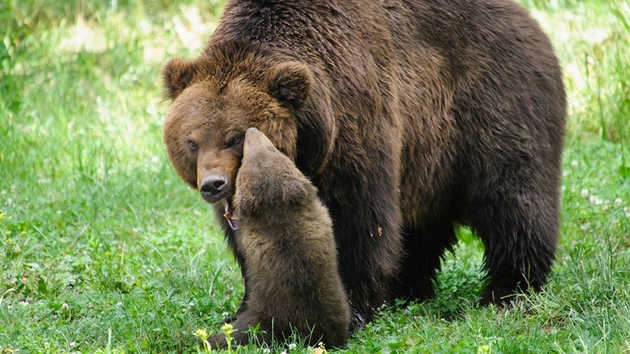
(213, 188)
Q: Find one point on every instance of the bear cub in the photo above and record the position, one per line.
(286, 239)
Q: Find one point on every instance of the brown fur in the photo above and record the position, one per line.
(286, 240)
(411, 117)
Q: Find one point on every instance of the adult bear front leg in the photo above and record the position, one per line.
(367, 232)
(231, 241)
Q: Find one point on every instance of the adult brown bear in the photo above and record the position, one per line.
(410, 117)
(286, 240)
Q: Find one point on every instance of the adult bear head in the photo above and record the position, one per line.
(231, 87)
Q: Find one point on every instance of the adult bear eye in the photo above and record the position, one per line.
(236, 141)
(192, 146)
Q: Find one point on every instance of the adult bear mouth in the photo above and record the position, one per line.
(230, 215)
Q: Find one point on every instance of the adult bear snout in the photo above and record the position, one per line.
(214, 188)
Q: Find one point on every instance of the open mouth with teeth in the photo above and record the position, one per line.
(230, 215)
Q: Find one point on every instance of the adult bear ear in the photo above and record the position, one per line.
(290, 82)
(177, 74)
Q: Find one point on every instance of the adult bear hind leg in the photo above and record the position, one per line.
(520, 233)
(424, 248)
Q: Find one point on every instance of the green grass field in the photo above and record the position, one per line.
(103, 249)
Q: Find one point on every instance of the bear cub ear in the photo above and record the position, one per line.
(177, 74)
(290, 83)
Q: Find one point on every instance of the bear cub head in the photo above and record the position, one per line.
(268, 181)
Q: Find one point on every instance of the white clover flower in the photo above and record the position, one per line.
(595, 200)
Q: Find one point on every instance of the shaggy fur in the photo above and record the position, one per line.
(286, 240)
(410, 117)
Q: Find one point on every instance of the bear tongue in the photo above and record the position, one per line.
(229, 215)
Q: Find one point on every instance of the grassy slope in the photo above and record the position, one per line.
(103, 248)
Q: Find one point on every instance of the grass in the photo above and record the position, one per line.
(103, 249)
